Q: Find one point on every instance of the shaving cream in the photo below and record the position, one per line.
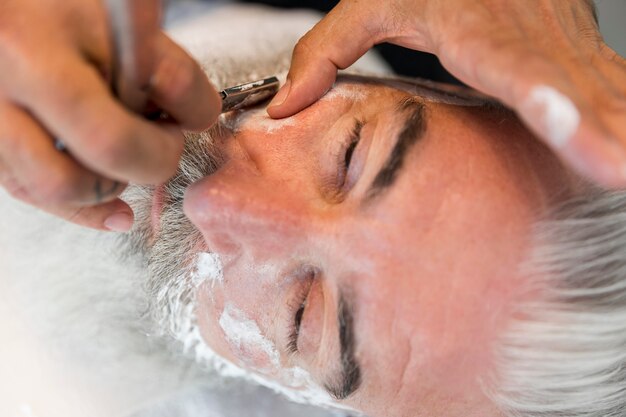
(295, 383)
(345, 92)
(247, 341)
(558, 115)
(258, 119)
(208, 268)
(257, 352)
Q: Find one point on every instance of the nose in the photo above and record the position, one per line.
(238, 210)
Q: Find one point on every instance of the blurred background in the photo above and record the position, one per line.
(613, 23)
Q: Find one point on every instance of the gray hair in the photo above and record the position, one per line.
(565, 355)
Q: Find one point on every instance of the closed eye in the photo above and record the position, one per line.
(293, 337)
(297, 306)
(355, 138)
(292, 344)
(349, 153)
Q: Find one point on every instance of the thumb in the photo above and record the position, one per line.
(336, 42)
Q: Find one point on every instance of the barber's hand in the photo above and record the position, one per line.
(544, 58)
(55, 69)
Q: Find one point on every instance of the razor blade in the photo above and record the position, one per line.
(233, 98)
(249, 94)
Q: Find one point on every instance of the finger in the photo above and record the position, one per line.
(582, 117)
(182, 89)
(11, 184)
(114, 216)
(49, 176)
(572, 121)
(551, 95)
(102, 135)
(336, 42)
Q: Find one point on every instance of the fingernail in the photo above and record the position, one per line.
(282, 95)
(119, 222)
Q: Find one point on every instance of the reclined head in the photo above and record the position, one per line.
(367, 252)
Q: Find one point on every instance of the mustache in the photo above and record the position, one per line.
(202, 156)
(203, 153)
(165, 259)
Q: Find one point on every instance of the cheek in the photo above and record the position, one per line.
(285, 150)
(247, 342)
(231, 334)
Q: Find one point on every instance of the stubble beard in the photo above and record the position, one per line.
(170, 256)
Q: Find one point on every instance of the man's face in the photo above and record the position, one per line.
(372, 242)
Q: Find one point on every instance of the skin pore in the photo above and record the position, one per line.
(372, 241)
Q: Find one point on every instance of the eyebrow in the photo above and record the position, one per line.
(413, 130)
(350, 375)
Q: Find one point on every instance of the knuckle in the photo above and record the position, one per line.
(307, 55)
(111, 146)
(589, 33)
(76, 98)
(57, 187)
(10, 184)
(612, 56)
(303, 47)
(28, 60)
(19, 193)
(176, 77)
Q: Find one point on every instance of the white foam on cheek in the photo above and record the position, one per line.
(344, 92)
(208, 268)
(301, 380)
(246, 339)
(560, 117)
(259, 120)
(295, 383)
